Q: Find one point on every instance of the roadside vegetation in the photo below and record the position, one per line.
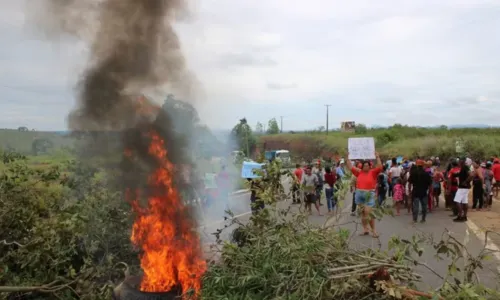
(393, 141)
(65, 231)
(68, 237)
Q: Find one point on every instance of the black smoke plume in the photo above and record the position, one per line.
(133, 47)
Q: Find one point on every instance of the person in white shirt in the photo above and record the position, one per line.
(394, 174)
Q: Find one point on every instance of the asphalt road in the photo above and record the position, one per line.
(401, 226)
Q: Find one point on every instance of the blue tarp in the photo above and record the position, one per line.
(399, 160)
(388, 163)
(247, 170)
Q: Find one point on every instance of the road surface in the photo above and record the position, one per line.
(401, 226)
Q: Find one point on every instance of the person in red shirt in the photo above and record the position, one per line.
(437, 179)
(366, 182)
(296, 184)
(452, 187)
(496, 174)
(331, 178)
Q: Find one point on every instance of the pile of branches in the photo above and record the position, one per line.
(289, 259)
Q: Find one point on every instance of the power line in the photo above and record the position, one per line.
(327, 106)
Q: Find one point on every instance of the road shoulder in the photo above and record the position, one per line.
(481, 222)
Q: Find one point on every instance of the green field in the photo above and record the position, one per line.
(62, 152)
(22, 141)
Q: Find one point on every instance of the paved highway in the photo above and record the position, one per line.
(389, 226)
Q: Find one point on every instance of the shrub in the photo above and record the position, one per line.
(54, 234)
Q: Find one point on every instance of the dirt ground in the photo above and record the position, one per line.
(487, 220)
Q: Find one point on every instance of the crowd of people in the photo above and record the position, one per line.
(416, 186)
(313, 180)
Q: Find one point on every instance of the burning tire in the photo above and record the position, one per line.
(128, 290)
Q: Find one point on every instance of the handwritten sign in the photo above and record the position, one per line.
(248, 168)
(361, 148)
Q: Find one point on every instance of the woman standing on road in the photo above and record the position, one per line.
(394, 174)
(366, 182)
(464, 185)
(318, 171)
(437, 179)
(488, 185)
(409, 199)
(352, 185)
(478, 187)
(331, 178)
(398, 195)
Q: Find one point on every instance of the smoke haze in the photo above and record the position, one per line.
(133, 48)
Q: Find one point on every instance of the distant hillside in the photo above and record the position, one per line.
(22, 140)
(471, 126)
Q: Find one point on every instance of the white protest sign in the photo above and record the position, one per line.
(361, 148)
(248, 169)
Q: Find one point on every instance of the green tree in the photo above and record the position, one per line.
(272, 127)
(361, 129)
(259, 128)
(183, 114)
(187, 123)
(243, 136)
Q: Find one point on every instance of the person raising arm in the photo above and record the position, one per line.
(366, 181)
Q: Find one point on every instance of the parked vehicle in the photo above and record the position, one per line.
(280, 155)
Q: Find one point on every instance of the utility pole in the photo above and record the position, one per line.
(246, 138)
(281, 127)
(327, 106)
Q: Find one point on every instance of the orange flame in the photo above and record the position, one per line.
(165, 232)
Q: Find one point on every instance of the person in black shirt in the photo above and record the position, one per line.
(478, 186)
(419, 181)
(462, 196)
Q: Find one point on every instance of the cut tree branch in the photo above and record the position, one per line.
(13, 243)
(52, 287)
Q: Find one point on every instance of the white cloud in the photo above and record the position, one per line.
(377, 62)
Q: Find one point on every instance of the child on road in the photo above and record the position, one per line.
(398, 194)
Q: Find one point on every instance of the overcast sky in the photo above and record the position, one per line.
(381, 62)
